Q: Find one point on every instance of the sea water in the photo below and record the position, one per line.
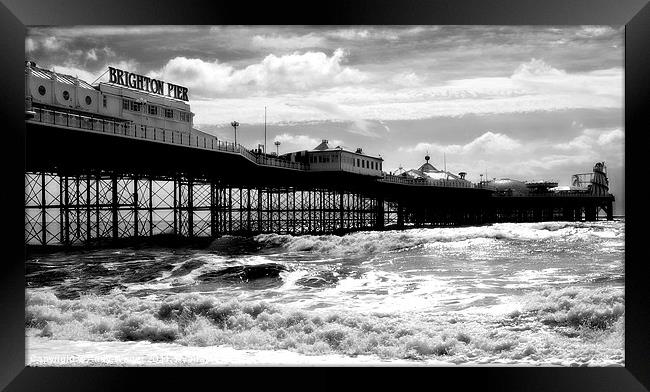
(539, 294)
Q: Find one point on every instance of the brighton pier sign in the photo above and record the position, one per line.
(144, 83)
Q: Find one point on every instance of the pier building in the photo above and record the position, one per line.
(324, 158)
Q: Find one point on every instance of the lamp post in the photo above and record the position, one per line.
(235, 124)
(277, 147)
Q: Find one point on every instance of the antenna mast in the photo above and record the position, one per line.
(264, 129)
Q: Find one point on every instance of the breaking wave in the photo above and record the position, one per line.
(524, 293)
(368, 242)
(586, 326)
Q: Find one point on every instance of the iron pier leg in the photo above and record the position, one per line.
(61, 211)
(322, 211)
(293, 224)
(66, 208)
(309, 210)
(249, 226)
(213, 204)
(43, 212)
(88, 229)
(400, 215)
(190, 208)
(114, 202)
(135, 206)
(230, 209)
(150, 206)
(260, 226)
(175, 207)
(77, 209)
(302, 211)
(240, 195)
(97, 181)
(342, 210)
(610, 210)
(379, 220)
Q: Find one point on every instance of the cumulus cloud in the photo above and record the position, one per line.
(488, 141)
(590, 139)
(506, 155)
(296, 72)
(610, 137)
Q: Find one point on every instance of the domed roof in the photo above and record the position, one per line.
(427, 167)
(428, 171)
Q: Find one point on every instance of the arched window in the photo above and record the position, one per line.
(41, 90)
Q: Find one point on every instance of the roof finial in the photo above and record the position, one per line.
(427, 157)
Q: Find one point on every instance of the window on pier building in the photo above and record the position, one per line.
(153, 110)
(358, 162)
(104, 100)
(131, 105)
(184, 116)
(169, 113)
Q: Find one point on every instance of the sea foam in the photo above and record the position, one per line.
(595, 321)
(367, 242)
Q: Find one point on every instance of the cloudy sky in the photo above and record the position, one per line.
(524, 102)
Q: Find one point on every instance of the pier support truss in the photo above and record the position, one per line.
(79, 209)
(83, 208)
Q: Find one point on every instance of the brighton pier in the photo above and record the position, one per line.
(105, 164)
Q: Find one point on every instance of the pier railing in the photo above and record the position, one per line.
(391, 178)
(155, 134)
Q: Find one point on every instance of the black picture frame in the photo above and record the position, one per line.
(635, 14)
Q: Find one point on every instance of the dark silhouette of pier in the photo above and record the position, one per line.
(90, 180)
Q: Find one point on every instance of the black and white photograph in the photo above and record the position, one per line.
(325, 195)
